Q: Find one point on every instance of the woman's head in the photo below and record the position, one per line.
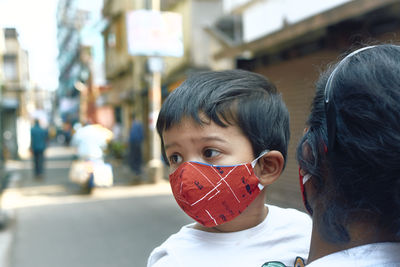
(352, 145)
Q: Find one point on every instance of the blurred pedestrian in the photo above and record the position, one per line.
(91, 141)
(39, 138)
(136, 137)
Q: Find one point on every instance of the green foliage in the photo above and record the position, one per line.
(116, 149)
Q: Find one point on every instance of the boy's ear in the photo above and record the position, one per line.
(270, 167)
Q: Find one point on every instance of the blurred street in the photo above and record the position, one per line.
(94, 74)
(53, 224)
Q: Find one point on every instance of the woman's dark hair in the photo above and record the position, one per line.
(231, 97)
(358, 178)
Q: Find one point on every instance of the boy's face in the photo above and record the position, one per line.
(207, 143)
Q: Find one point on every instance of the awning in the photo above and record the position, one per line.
(313, 25)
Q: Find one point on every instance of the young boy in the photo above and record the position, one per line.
(225, 136)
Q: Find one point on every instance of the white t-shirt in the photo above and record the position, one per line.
(283, 235)
(377, 254)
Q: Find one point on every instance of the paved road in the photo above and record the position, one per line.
(57, 226)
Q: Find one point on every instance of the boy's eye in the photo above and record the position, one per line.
(210, 153)
(175, 159)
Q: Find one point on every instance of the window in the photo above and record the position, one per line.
(10, 67)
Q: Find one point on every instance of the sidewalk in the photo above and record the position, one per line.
(7, 220)
(5, 244)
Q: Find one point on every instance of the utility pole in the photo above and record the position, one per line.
(156, 64)
(155, 34)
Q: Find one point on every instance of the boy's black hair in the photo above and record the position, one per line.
(231, 97)
(359, 178)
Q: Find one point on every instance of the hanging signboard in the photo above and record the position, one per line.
(154, 33)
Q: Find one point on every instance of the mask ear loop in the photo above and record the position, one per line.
(306, 178)
(254, 163)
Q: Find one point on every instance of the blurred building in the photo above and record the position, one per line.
(92, 107)
(129, 77)
(290, 41)
(198, 21)
(126, 75)
(69, 22)
(2, 51)
(15, 86)
(81, 64)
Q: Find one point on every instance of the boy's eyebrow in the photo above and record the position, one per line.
(213, 138)
(207, 138)
(166, 146)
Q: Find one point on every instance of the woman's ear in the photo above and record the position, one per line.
(269, 167)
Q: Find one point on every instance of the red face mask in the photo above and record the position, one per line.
(212, 194)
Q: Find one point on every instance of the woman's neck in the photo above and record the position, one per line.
(360, 234)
